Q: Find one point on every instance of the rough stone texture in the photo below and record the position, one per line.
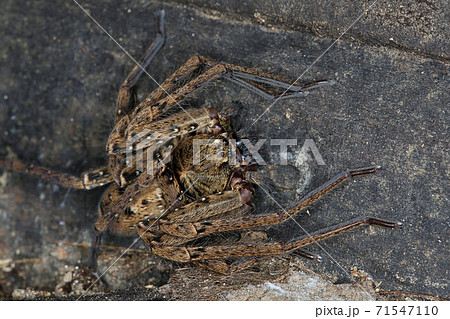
(415, 26)
(58, 82)
(276, 279)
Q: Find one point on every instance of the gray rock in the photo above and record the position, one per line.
(60, 75)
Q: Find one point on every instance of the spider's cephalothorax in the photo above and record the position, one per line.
(172, 203)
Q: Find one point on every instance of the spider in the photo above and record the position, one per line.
(173, 204)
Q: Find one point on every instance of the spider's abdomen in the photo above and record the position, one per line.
(155, 200)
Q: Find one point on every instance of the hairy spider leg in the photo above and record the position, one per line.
(203, 228)
(88, 180)
(126, 97)
(189, 254)
(258, 82)
(226, 268)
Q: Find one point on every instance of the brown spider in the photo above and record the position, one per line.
(171, 205)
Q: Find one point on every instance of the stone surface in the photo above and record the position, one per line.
(58, 83)
(414, 26)
(276, 279)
